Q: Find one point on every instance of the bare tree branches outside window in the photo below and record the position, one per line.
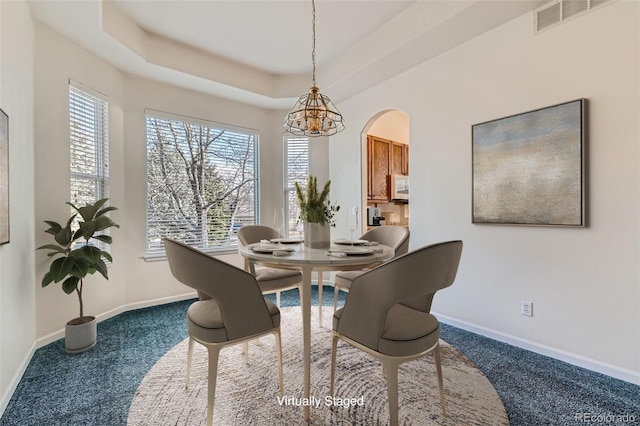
(201, 183)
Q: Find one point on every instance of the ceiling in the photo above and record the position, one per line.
(259, 51)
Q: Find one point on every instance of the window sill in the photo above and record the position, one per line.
(157, 257)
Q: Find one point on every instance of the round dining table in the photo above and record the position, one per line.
(307, 260)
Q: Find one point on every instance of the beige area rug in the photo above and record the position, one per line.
(247, 394)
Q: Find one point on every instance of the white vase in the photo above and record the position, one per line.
(80, 337)
(317, 235)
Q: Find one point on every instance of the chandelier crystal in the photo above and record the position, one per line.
(314, 114)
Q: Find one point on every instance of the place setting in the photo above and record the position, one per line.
(346, 247)
(276, 246)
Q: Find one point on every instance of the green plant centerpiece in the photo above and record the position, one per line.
(316, 213)
(76, 254)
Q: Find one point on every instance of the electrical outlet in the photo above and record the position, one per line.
(526, 308)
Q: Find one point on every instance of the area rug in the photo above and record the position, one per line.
(248, 394)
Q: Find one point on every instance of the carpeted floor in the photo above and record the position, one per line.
(97, 387)
(162, 397)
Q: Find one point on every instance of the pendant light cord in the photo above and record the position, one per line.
(313, 39)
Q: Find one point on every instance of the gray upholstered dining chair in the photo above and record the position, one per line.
(236, 311)
(389, 235)
(387, 313)
(271, 280)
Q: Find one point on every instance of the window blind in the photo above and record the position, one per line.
(88, 130)
(202, 182)
(296, 170)
(89, 150)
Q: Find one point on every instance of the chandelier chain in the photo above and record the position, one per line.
(313, 39)
(313, 114)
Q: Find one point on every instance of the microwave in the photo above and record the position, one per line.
(398, 187)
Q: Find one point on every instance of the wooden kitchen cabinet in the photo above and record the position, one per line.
(378, 159)
(384, 158)
(399, 158)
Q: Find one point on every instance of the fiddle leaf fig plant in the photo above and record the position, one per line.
(75, 255)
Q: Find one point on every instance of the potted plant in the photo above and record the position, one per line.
(74, 256)
(316, 213)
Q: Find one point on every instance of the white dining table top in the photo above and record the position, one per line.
(302, 255)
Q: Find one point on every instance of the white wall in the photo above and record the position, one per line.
(392, 125)
(56, 62)
(17, 278)
(152, 280)
(584, 283)
(134, 282)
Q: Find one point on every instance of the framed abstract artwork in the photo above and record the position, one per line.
(4, 178)
(529, 168)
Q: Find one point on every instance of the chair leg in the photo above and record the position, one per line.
(320, 286)
(189, 356)
(335, 298)
(279, 355)
(436, 356)
(334, 347)
(245, 351)
(214, 351)
(391, 367)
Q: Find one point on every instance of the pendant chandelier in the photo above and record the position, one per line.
(314, 114)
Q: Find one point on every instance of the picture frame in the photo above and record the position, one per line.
(4, 177)
(529, 168)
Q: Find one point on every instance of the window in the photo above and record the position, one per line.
(88, 129)
(296, 169)
(202, 182)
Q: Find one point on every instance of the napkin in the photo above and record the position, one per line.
(282, 252)
(372, 243)
(336, 254)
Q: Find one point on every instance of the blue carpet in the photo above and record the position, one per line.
(96, 387)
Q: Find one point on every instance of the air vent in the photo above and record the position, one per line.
(574, 7)
(558, 11)
(548, 16)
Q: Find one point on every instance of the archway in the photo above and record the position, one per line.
(387, 126)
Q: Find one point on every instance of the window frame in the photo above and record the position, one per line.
(289, 189)
(252, 134)
(89, 110)
(100, 143)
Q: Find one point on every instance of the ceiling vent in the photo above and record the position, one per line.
(558, 11)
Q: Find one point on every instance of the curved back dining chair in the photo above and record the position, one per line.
(381, 315)
(394, 236)
(236, 311)
(271, 280)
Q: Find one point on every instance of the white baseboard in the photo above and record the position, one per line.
(568, 357)
(574, 359)
(50, 338)
(15, 380)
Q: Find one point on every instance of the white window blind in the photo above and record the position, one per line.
(296, 170)
(202, 182)
(88, 129)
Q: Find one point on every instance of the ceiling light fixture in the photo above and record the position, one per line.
(314, 114)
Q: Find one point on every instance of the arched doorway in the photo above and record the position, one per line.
(385, 134)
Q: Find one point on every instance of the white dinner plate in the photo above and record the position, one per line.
(343, 241)
(270, 248)
(353, 251)
(286, 240)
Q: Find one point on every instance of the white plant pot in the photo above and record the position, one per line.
(81, 337)
(317, 235)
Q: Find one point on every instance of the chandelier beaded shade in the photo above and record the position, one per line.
(314, 114)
